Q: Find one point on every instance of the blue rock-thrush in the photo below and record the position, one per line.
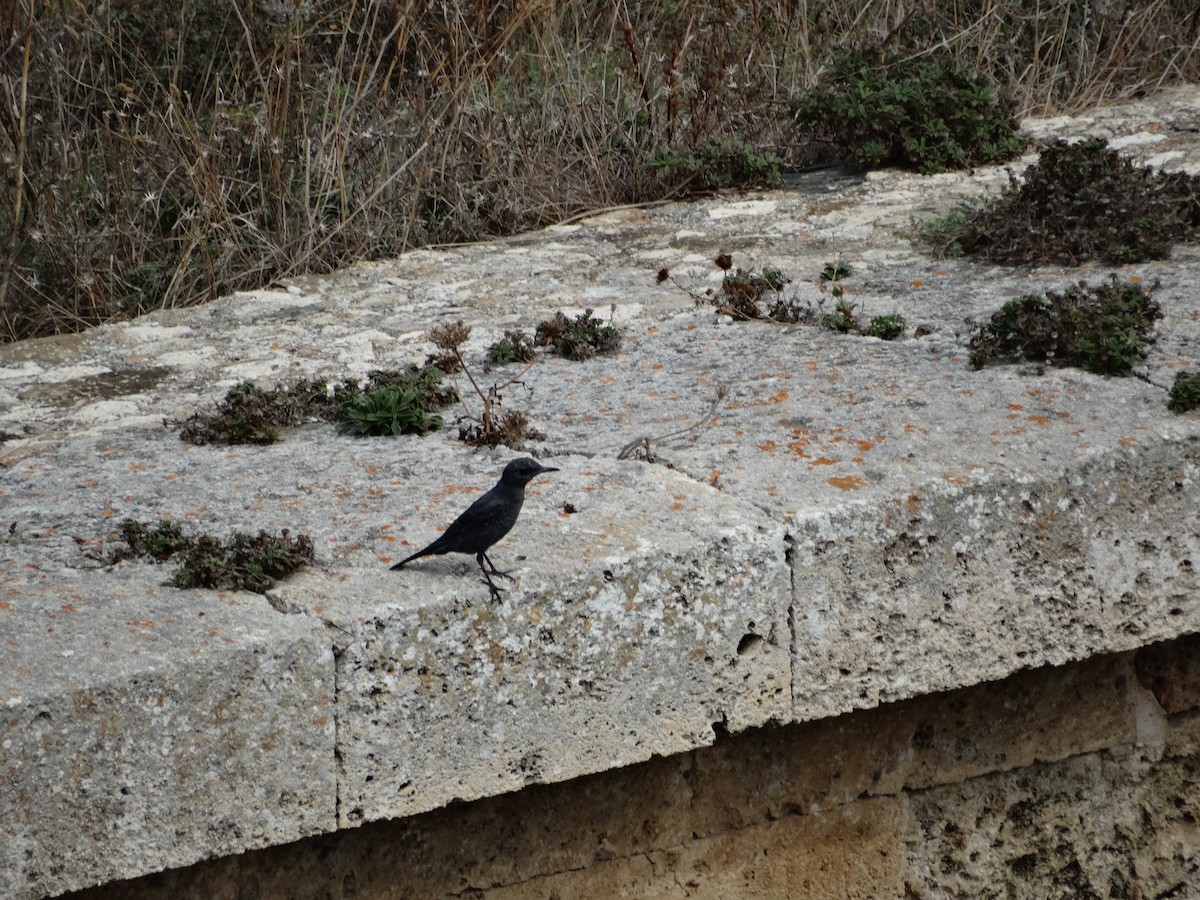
(487, 520)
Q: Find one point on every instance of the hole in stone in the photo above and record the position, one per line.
(749, 644)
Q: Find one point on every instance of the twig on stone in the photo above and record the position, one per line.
(646, 442)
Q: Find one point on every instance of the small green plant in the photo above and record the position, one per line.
(1185, 392)
(844, 318)
(1078, 202)
(743, 290)
(580, 338)
(253, 415)
(886, 328)
(515, 346)
(247, 415)
(837, 270)
(717, 163)
(390, 410)
(943, 235)
(160, 542)
(244, 562)
(925, 113)
(1102, 329)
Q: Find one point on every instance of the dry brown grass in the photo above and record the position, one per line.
(165, 154)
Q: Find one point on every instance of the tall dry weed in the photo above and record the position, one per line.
(165, 154)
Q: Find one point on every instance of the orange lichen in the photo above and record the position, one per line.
(848, 482)
(799, 447)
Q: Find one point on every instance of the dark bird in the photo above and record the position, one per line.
(487, 520)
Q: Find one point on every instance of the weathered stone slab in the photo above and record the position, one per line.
(999, 576)
(620, 640)
(152, 729)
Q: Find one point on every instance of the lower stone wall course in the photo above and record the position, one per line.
(1040, 785)
(1171, 671)
(849, 853)
(1119, 824)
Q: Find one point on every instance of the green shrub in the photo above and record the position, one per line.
(717, 163)
(922, 113)
(1185, 392)
(1103, 329)
(1078, 202)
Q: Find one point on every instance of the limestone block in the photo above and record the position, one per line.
(1098, 825)
(645, 625)
(949, 588)
(154, 728)
(853, 853)
(1046, 714)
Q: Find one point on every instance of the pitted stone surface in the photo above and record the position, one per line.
(843, 522)
(619, 643)
(146, 724)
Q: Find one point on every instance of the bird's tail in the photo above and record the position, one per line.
(404, 562)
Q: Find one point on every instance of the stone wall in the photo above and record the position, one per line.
(856, 617)
(1080, 780)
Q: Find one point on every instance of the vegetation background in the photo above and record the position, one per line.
(162, 154)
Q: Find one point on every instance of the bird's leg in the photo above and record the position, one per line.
(495, 591)
(482, 556)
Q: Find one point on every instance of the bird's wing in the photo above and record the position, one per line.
(478, 512)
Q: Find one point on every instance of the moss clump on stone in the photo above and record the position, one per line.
(580, 338)
(249, 414)
(515, 346)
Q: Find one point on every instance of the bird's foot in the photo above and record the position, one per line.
(495, 592)
(491, 567)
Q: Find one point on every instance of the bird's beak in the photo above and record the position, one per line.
(547, 469)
